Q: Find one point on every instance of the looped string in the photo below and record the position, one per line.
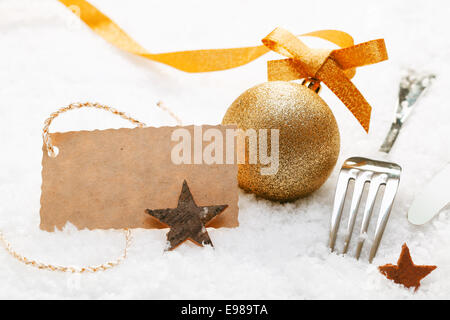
(51, 267)
(163, 106)
(51, 150)
(45, 132)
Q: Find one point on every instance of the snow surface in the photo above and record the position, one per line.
(49, 59)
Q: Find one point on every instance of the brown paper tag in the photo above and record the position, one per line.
(107, 178)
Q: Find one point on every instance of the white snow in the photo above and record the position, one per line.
(49, 59)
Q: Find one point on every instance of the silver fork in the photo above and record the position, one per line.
(376, 173)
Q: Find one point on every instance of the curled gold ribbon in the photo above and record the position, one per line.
(333, 67)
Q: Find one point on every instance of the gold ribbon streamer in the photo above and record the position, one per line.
(333, 67)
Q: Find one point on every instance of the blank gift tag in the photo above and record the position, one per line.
(107, 178)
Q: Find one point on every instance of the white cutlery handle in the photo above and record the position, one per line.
(433, 198)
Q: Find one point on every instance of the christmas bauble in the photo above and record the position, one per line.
(308, 138)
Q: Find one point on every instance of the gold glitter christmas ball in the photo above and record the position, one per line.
(308, 139)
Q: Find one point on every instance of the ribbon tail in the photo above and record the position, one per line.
(336, 80)
(188, 61)
(103, 26)
(208, 60)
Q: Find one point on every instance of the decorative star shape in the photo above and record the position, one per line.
(406, 272)
(187, 221)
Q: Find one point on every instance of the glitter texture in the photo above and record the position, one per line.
(309, 138)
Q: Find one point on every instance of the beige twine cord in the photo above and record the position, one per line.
(51, 151)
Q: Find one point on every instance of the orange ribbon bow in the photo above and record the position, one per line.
(333, 67)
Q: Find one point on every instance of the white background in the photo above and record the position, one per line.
(49, 59)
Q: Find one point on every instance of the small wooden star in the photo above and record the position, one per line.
(406, 272)
(187, 221)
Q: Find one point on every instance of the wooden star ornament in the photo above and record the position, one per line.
(406, 272)
(187, 221)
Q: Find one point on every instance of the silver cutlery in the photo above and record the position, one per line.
(434, 197)
(363, 171)
(412, 86)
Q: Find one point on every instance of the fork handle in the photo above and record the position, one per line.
(391, 137)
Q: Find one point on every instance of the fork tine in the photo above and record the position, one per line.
(377, 173)
(361, 180)
(339, 198)
(385, 210)
(370, 202)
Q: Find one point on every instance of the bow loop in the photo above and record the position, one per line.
(287, 44)
(333, 67)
